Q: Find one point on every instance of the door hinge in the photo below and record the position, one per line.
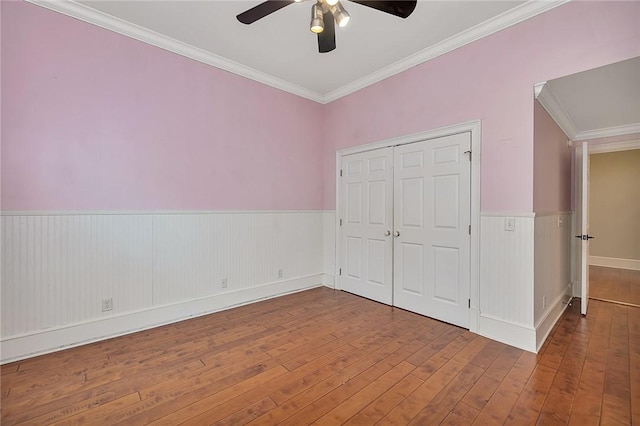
(469, 229)
(340, 172)
(469, 303)
(340, 271)
(340, 222)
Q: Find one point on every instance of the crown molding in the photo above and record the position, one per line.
(120, 26)
(554, 107)
(537, 89)
(614, 147)
(504, 20)
(608, 132)
(84, 13)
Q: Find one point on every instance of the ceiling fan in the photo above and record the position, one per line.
(324, 13)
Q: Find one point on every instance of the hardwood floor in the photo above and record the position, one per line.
(328, 357)
(615, 285)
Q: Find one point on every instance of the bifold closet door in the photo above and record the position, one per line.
(431, 228)
(367, 215)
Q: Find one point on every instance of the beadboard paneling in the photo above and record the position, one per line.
(552, 271)
(57, 268)
(506, 270)
(329, 247)
(552, 262)
(194, 252)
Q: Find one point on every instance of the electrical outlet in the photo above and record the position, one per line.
(223, 283)
(510, 224)
(107, 304)
(280, 273)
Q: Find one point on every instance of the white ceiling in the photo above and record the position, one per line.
(282, 45)
(279, 49)
(601, 102)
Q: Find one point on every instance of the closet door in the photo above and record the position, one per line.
(365, 237)
(431, 229)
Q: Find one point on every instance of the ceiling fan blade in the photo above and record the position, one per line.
(263, 9)
(327, 38)
(401, 8)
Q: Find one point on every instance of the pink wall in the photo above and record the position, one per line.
(491, 79)
(93, 120)
(551, 164)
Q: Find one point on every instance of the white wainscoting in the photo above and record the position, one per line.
(507, 279)
(157, 267)
(329, 247)
(552, 270)
(614, 262)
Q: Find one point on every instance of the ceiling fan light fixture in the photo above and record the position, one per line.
(317, 20)
(341, 16)
(331, 2)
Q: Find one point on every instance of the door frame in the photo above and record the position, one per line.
(475, 128)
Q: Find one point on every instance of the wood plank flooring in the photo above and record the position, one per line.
(614, 285)
(326, 357)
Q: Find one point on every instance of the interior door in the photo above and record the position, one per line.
(431, 228)
(582, 223)
(367, 215)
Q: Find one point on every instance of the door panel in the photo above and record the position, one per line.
(367, 195)
(432, 216)
(582, 223)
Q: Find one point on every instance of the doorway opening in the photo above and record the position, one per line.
(614, 206)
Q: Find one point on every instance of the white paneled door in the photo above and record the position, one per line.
(582, 222)
(423, 201)
(431, 228)
(366, 214)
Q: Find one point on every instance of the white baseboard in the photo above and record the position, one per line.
(329, 280)
(19, 347)
(553, 314)
(510, 333)
(614, 262)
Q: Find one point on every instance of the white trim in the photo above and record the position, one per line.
(469, 126)
(54, 339)
(614, 262)
(143, 212)
(554, 107)
(537, 89)
(475, 128)
(510, 333)
(607, 132)
(613, 147)
(507, 214)
(329, 281)
(553, 314)
(509, 18)
(546, 214)
(120, 26)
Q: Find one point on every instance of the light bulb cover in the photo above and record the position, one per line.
(340, 15)
(331, 2)
(317, 20)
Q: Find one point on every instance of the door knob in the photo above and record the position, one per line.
(387, 233)
(397, 233)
